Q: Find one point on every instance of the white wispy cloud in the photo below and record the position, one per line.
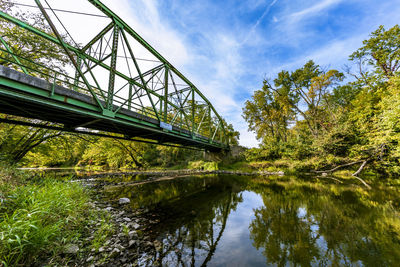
(155, 30)
(259, 20)
(314, 9)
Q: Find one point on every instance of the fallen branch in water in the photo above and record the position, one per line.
(358, 171)
(362, 181)
(364, 162)
(340, 166)
(361, 168)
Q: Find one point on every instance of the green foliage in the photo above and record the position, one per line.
(103, 232)
(114, 153)
(37, 220)
(65, 150)
(382, 52)
(238, 166)
(16, 141)
(203, 165)
(309, 113)
(29, 49)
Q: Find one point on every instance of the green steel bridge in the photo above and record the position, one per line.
(114, 84)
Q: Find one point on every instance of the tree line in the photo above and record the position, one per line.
(349, 116)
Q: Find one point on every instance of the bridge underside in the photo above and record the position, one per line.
(31, 97)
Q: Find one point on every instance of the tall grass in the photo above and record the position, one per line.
(38, 219)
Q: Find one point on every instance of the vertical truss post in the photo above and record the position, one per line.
(166, 94)
(130, 96)
(193, 110)
(209, 123)
(181, 118)
(113, 65)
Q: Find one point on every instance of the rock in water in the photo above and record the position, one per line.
(126, 219)
(124, 200)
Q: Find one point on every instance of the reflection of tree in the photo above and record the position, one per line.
(301, 223)
(280, 230)
(194, 227)
(299, 226)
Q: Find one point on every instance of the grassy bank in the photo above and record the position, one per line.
(288, 166)
(40, 219)
(294, 167)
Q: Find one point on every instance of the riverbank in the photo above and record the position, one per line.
(47, 221)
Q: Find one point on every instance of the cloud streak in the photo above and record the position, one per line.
(259, 20)
(314, 9)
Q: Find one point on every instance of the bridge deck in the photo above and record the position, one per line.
(32, 97)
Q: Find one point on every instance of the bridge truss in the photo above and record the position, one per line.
(115, 82)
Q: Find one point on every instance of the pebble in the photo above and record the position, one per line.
(132, 234)
(114, 252)
(131, 243)
(124, 200)
(71, 249)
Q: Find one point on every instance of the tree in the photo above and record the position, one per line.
(381, 52)
(297, 106)
(268, 114)
(305, 91)
(16, 141)
(27, 47)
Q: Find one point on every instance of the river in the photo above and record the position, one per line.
(228, 220)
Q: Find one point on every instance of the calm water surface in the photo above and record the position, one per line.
(248, 221)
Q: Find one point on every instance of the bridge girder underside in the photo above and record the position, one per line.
(30, 97)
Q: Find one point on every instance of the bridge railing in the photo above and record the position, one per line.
(108, 70)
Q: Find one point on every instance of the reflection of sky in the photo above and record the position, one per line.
(235, 247)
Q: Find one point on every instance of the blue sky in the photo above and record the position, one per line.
(226, 48)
